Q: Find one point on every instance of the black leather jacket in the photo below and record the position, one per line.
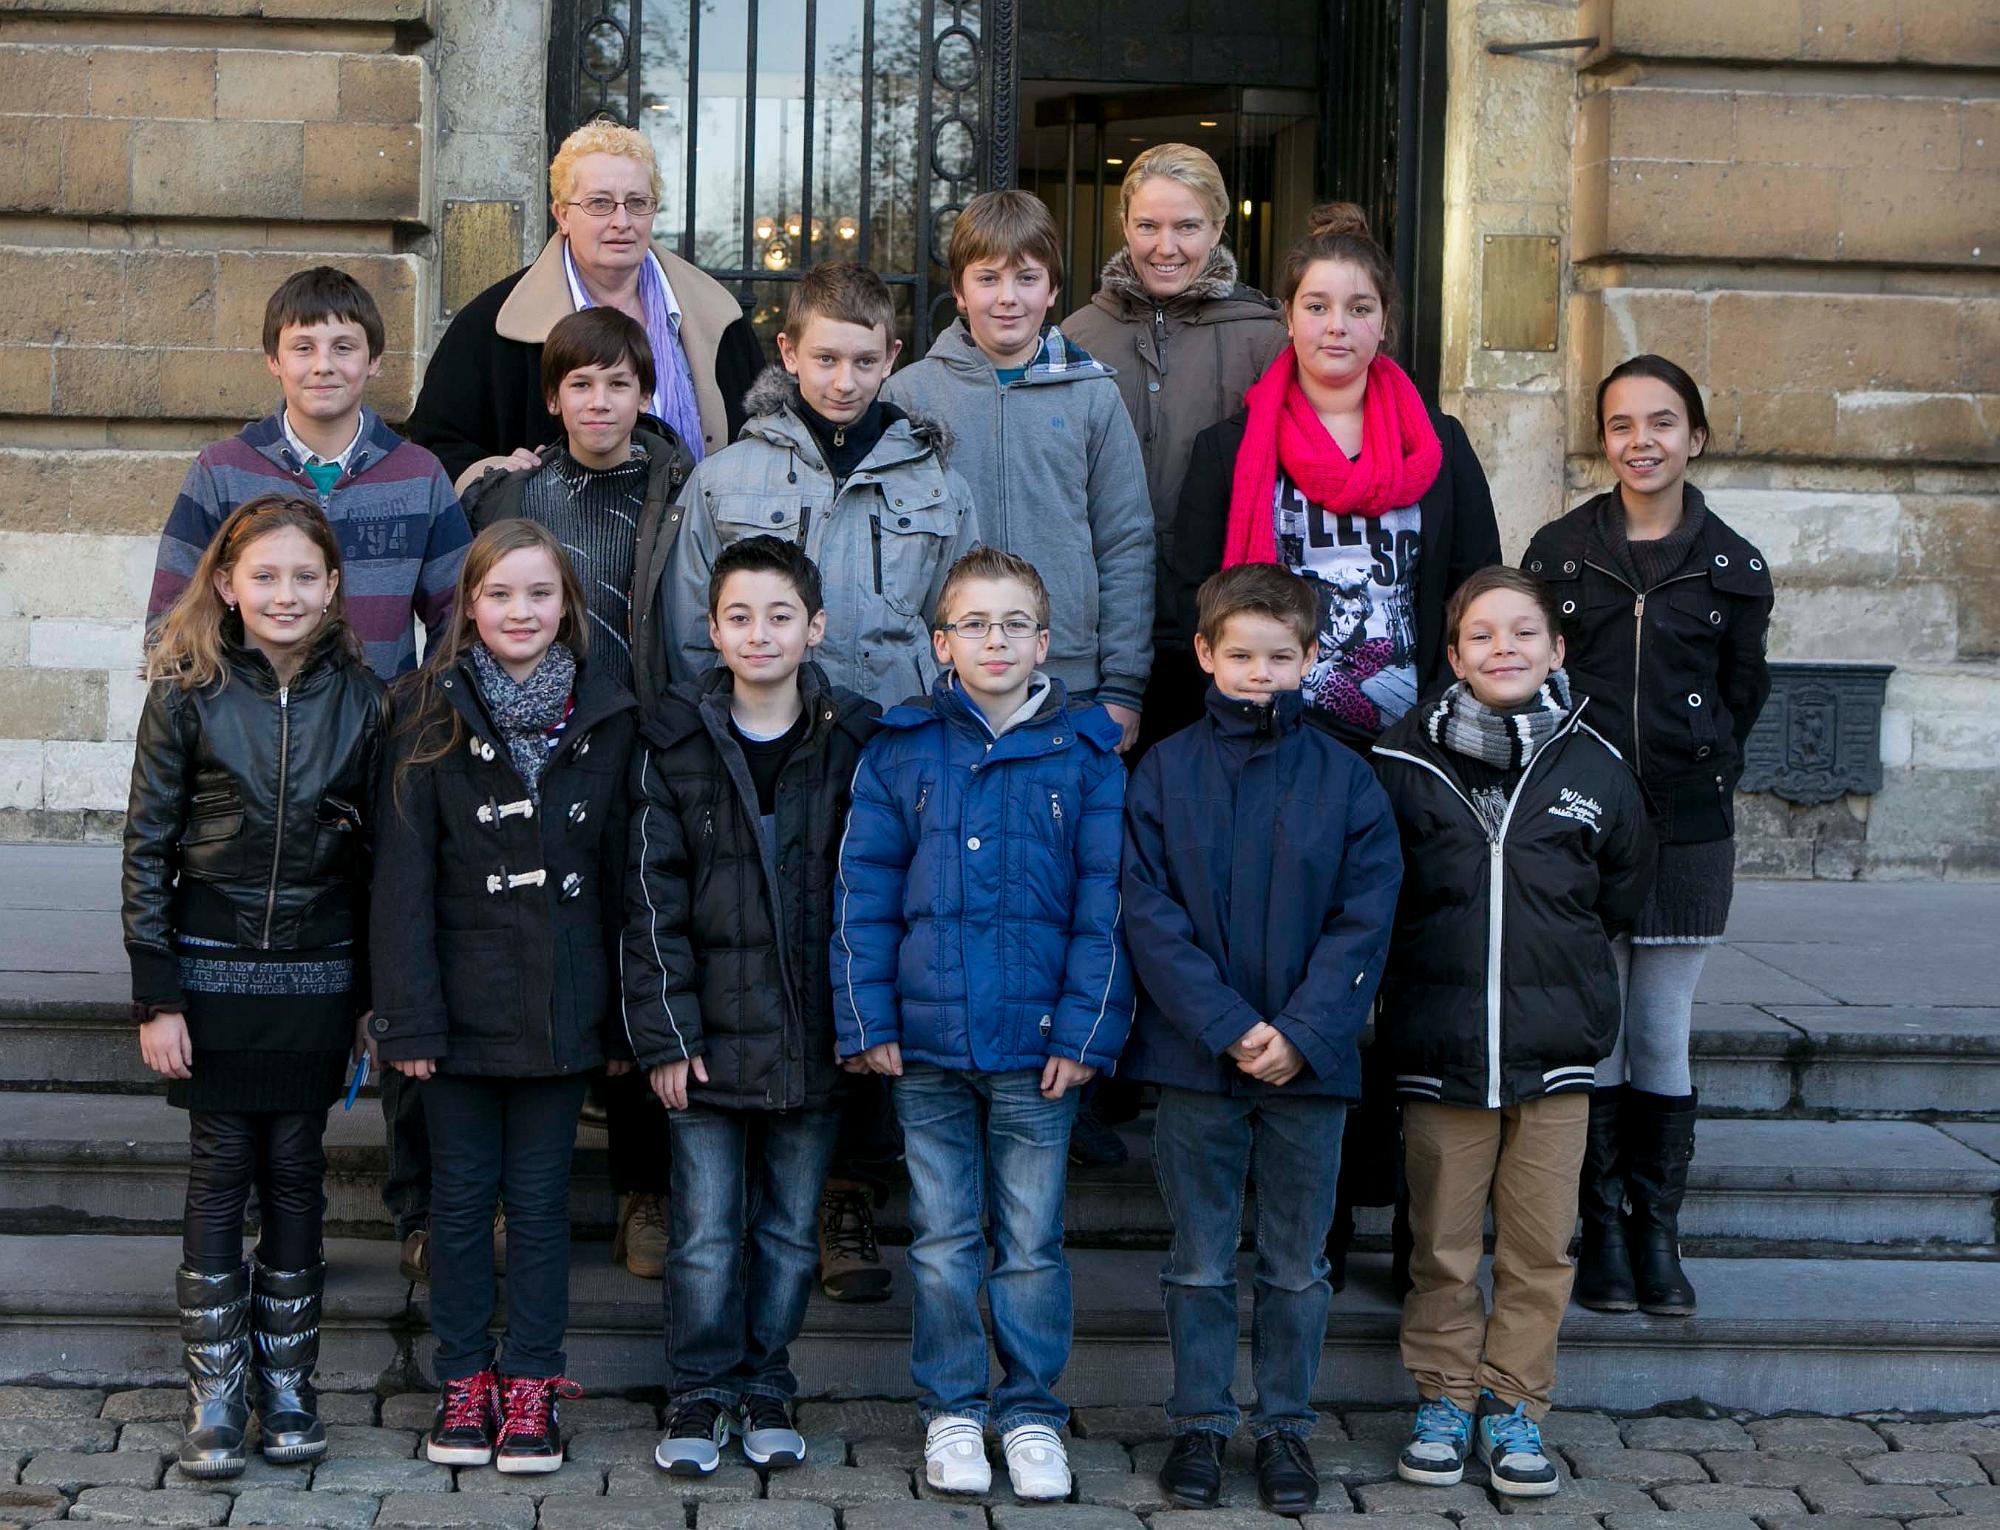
(251, 814)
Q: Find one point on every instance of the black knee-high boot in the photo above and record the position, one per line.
(1659, 1146)
(215, 1352)
(1604, 1262)
(285, 1343)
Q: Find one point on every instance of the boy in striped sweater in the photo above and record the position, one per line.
(402, 535)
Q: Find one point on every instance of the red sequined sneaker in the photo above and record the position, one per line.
(468, 1414)
(531, 1424)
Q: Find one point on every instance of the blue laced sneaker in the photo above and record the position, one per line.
(1438, 1445)
(1510, 1443)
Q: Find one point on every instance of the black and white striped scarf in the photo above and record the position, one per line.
(1505, 740)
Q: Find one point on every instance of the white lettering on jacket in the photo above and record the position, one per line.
(1573, 804)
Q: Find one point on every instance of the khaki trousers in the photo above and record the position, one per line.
(1525, 1159)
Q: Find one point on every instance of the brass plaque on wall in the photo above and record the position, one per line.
(1520, 291)
(481, 243)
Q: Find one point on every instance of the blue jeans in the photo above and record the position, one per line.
(974, 1143)
(743, 1242)
(495, 1137)
(1204, 1147)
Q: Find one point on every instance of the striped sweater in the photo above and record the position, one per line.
(402, 535)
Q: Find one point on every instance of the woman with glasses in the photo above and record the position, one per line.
(482, 407)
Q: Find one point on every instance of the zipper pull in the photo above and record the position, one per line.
(922, 797)
(1639, 606)
(840, 435)
(1055, 805)
(284, 694)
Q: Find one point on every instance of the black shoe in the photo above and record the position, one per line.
(850, 1262)
(1287, 1480)
(769, 1437)
(284, 1346)
(530, 1438)
(1092, 1144)
(1191, 1476)
(215, 1352)
(696, 1432)
(1659, 1146)
(1603, 1262)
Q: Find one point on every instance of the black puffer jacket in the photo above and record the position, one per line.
(1488, 1004)
(495, 919)
(1678, 674)
(725, 943)
(250, 814)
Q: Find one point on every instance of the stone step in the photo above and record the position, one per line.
(1772, 1334)
(1804, 1061)
(74, 1163)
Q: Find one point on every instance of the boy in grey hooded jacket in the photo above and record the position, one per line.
(1050, 452)
(883, 521)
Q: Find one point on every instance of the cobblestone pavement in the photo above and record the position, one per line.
(77, 1454)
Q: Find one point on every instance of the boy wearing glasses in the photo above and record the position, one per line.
(978, 964)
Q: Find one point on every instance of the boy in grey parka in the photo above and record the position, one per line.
(862, 486)
(1046, 443)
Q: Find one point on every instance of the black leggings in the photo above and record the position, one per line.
(283, 1156)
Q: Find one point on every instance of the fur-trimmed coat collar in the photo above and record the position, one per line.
(1217, 283)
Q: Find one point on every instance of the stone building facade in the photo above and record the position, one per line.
(1797, 199)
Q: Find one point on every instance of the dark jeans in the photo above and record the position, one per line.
(495, 1137)
(284, 1157)
(1205, 1146)
(742, 1248)
(635, 1125)
(407, 1190)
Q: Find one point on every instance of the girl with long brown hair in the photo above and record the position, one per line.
(497, 916)
(246, 873)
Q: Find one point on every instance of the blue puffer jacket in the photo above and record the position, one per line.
(1261, 870)
(976, 906)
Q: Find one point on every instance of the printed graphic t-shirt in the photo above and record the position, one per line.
(1364, 569)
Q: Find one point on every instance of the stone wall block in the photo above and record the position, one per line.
(1849, 31)
(1979, 141)
(20, 773)
(1848, 132)
(1780, 342)
(86, 775)
(31, 149)
(1959, 33)
(381, 88)
(27, 379)
(1511, 429)
(100, 581)
(113, 382)
(363, 171)
(215, 385)
(170, 298)
(1779, 424)
(39, 80)
(257, 86)
(63, 644)
(96, 168)
(1962, 33)
(1921, 218)
(1871, 623)
(1724, 29)
(245, 282)
(1818, 537)
(72, 493)
(219, 169)
(60, 297)
(152, 83)
(52, 703)
(1687, 126)
(1922, 427)
(124, 699)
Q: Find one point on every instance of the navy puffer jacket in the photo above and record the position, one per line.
(976, 908)
(1261, 869)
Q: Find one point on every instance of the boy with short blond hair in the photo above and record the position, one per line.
(978, 964)
(1048, 447)
(402, 535)
(1260, 881)
(864, 486)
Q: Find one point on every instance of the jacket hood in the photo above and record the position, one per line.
(678, 713)
(1059, 358)
(774, 400)
(1215, 293)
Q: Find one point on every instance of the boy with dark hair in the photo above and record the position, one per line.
(605, 489)
(978, 965)
(1260, 879)
(1045, 441)
(863, 486)
(402, 538)
(740, 794)
(402, 535)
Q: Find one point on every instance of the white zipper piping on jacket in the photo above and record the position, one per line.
(652, 923)
(1495, 904)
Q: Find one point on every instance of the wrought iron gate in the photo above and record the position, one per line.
(790, 131)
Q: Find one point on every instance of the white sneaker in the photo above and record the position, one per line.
(955, 1455)
(1037, 1464)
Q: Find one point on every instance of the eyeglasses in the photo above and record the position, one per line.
(601, 206)
(1018, 629)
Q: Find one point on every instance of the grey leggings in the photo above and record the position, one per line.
(1658, 986)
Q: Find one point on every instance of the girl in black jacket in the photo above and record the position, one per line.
(1525, 847)
(1665, 611)
(496, 915)
(244, 910)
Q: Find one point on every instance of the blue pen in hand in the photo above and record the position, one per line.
(354, 1084)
